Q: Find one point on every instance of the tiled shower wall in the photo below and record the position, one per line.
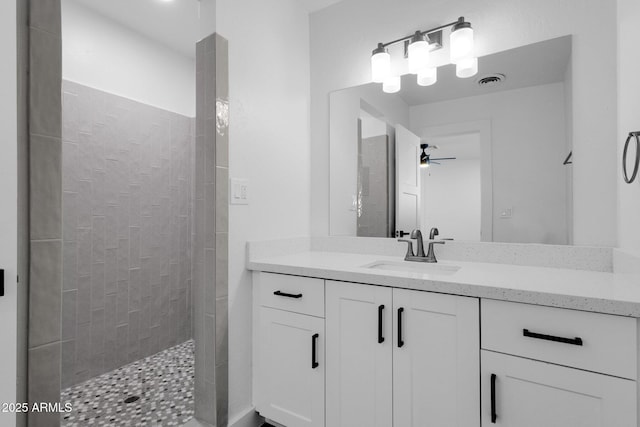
(211, 226)
(45, 213)
(127, 231)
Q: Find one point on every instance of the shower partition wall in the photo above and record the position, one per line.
(211, 225)
(45, 211)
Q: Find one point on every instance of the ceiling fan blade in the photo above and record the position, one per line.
(445, 158)
(426, 146)
(435, 163)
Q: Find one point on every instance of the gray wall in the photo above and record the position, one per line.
(127, 229)
(376, 196)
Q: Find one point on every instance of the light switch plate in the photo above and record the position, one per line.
(239, 191)
(506, 213)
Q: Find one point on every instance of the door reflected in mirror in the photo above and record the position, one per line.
(482, 158)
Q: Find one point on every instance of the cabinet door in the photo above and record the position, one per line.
(528, 393)
(359, 366)
(436, 360)
(290, 374)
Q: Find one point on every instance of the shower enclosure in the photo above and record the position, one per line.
(127, 171)
(129, 219)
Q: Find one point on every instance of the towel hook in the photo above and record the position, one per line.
(636, 136)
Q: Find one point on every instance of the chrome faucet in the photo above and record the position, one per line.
(421, 257)
(417, 234)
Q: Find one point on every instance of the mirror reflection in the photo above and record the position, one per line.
(483, 159)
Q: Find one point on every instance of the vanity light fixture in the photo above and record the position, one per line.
(467, 67)
(461, 40)
(380, 64)
(392, 84)
(417, 51)
(428, 76)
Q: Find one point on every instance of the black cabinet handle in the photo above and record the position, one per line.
(400, 340)
(572, 341)
(494, 416)
(380, 337)
(284, 294)
(1, 283)
(314, 360)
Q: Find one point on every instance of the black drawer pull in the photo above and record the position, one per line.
(573, 341)
(400, 340)
(380, 337)
(1, 283)
(494, 415)
(284, 294)
(314, 360)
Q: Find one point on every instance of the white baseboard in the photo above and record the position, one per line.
(195, 423)
(249, 418)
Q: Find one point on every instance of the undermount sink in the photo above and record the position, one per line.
(414, 267)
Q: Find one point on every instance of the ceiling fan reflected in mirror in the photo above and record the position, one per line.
(426, 160)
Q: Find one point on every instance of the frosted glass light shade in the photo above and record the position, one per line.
(418, 56)
(392, 84)
(461, 44)
(467, 68)
(380, 65)
(427, 76)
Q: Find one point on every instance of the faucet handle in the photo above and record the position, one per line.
(433, 233)
(431, 253)
(409, 247)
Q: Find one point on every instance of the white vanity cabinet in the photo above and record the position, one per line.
(289, 340)
(435, 360)
(529, 393)
(401, 358)
(544, 366)
(338, 354)
(359, 355)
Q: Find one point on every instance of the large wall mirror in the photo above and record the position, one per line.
(483, 159)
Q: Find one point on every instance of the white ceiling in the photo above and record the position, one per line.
(532, 65)
(315, 5)
(171, 23)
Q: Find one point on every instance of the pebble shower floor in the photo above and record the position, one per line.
(163, 384)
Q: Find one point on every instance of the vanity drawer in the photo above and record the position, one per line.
(596, 342)
(292, 293)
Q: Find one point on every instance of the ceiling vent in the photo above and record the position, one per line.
(489, 80)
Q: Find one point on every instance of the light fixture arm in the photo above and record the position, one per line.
(424, 33)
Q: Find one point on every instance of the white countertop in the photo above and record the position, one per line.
(567, 288)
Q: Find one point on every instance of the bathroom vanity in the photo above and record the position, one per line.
(345, 339)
